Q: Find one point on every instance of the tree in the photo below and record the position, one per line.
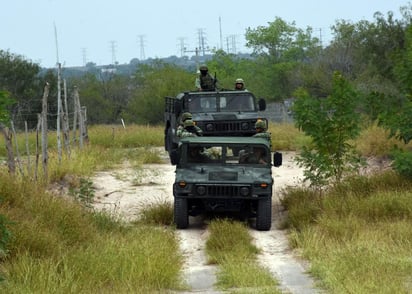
(152, 83)
(331, 123)
(281, 42)
(21, 79)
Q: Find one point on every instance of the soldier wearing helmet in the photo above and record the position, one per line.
(240, 85)
(261, 131)
(188, 127)
(204, 81)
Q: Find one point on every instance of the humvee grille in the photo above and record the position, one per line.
(228, 127)
(222, 190)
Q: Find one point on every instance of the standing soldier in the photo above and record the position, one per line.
(261, 131)
(204, 81)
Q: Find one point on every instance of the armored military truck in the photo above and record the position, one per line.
(211, 177)
(220, 113)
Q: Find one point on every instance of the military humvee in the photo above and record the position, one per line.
(211, 177)
(220, 113)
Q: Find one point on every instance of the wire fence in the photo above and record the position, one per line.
(71, 129)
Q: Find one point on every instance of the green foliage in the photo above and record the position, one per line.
(5, 236)
(331, 123)
(5, 101)
(280, 41)
(402, 163)
(152, 83)
(84, 193)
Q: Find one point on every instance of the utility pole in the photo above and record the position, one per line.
(196, 51)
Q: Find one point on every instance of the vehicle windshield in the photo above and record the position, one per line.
(227, 103)
(231, 154)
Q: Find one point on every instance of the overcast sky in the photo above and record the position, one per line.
(101, 31)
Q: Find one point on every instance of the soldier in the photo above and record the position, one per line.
(189, 129)
(240, 85)
(261, 131)
(204, 81)
(187, 116)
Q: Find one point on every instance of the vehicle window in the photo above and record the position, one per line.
(208, 103)
(239, 103)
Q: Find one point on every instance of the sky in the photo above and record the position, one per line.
(74, 32)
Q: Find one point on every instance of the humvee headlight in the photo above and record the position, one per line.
(209, 127)
(245, 125)
(182, 184)
(201, 190)
(264, 185)
(244, 191)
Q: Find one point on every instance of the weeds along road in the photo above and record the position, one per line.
(125, 190)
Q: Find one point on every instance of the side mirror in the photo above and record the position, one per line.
(277, 159)
(174, 157)
(262, 104)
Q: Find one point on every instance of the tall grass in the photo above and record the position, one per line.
(358, 235)
(57, 246)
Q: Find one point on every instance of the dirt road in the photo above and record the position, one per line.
(124, 191)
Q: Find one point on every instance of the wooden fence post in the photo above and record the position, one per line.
(59, 109)
(26, 131)
(44, 131)
(37, 146)
(17, 149)
(10, 156)
(66, 128)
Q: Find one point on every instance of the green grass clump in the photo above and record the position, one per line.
(230, 246)
(357, 235)
(157, 213)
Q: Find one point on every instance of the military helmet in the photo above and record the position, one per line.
(240, 81)
(203, 67)
(188, 123)
(186, 116)
(260, 124)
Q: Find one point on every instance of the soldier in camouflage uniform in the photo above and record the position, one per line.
(189, 130)
(187, 116)
(261, 131)
(204, 81)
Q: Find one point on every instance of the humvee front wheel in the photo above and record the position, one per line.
(264, 214)
(181, 213)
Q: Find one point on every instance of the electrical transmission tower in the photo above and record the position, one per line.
(113, 50)
(231, 44)
(203, 48)
(142, 45)
(182, 46)
(84, 54)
